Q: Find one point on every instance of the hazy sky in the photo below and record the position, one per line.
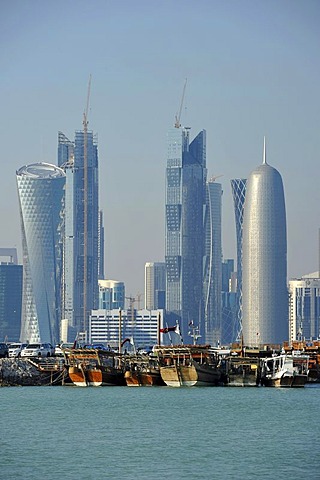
(253, 69)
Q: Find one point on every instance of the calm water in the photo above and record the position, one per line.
(159, 433)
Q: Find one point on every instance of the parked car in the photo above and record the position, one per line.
(4, 350)
(38, 350)
(16, 348)
(58, 351)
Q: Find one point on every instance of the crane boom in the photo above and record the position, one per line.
(178, 116)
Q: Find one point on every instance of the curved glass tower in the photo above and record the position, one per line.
(238, 187)
(265, 295)
(41, 193)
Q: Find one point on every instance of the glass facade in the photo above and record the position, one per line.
(41, 198)
(304, 309)
(212, 285)
(238, 187)
(265, 294)
(10, 302)
(111, 295)
(71, 158)
(184, 230)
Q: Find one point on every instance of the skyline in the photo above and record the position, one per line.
(252, 68)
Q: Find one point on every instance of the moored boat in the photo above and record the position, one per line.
(242, 371)
(284, 371)
(190, 365)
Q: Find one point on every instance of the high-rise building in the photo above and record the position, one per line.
(111, 295)
(212, 274)
(41, 197)
(265, 294)
(229, 302)
(155, 285)
(10, 295)
(184, 230)
(101, 247)
(304, 308)
(84, 229)
(238, 187)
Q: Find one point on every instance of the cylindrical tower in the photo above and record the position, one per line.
(264, 275)
(41, 193)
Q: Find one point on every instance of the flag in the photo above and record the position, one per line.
(168, 329)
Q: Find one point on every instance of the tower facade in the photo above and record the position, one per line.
(212, 283)
(10, 295)
(41, 197)
(238, 187)
(265, 295)
(304, 308)
(155, 285)
(184, 230)
(83, 243)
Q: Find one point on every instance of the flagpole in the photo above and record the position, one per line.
(159, 321)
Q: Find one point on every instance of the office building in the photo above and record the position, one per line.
(212, 283)
(155, 285)
(111, 295)
(304, 308)
(10, 295)
(142, 328)
(264, 274)
(228, 302)
(84, 257)
(184, 230)
(41, 198)
(238, 187)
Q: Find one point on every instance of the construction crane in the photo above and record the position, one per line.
(214, 178)
(85, 208)
(178, 116)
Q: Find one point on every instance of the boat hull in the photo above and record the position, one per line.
(189, 375)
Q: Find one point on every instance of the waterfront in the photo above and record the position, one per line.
(159, 432)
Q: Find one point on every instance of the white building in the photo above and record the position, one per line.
(155, 285)
(104, 326)
(304, 308)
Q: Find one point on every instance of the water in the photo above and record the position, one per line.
(159, 433)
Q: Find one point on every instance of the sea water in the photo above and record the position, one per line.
(159, 433)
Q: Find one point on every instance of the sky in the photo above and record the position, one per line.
(252, 69)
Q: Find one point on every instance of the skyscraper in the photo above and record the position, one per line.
(265, 295)
(238, 187)
(10, 295)
(155, 285)
(41, 196)
(304, 308)
(184, 231)
(83, 245)
(212, 283)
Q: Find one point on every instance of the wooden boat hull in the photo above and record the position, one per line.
(94, 377)
(143, 379)
(77, 376)
(112, 376)
(189, 375)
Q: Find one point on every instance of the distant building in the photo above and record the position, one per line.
(142, 328)
(238, 187)
(155, 285)
(78, 286)
(264, 274)
(184, 231)
(10, 295)
(229, 309)
(41, 197)
(212, 275)
(304, 308)
(111, 295)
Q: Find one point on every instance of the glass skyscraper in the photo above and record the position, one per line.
(238, 187)
(71, 159)
(10, 296)
(184, 229)
(212, 285)
(265, 294)
(41, 197)
(155, 285)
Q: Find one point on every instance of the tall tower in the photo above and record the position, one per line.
(72, 158)
(212, 283)
(265, 295)
(184, 231)
(155, 285)
(41, 195)
(238, 187)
